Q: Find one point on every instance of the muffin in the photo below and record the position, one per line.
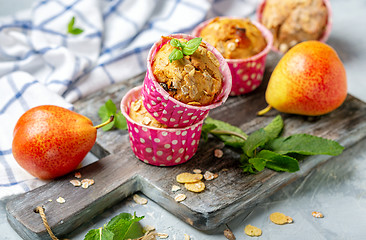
(154, 145)
(244, 45)
(235, 38)
(195, 79)
(294, 21)
(139, 114)
(180, 93)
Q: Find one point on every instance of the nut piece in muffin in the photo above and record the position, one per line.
(234, 38)
(294, 21)
(195, 79)
(139, 114)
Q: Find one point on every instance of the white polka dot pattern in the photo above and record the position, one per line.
(247, 74)
(160, 147)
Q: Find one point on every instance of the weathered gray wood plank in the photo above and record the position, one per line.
(119, 173)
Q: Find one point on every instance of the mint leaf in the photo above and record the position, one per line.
(255, 140)
(229, 140)
(109, 109)
(274, 128)
(125, 226)
(278, 162)
(76, 31)
(70, 26)
(206, 129)
(191, 46)
(176, 43)
(258, 163)
(176, 54)
(120, 121)
(71, 29)
(99, 234)
(305, 144)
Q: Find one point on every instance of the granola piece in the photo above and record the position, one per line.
(175, 188)
(75, 183)
(280, 218)
(209, 176)
(252, 231)
(317, 214)
(60, 200)
(197, 171)
(195, 187)
(188, 177)
(139, 200)
(77, 175)
(180, 197)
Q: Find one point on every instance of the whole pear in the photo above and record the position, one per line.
(50, 141)
(310, 80)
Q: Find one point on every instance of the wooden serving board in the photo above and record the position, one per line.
(119, 173)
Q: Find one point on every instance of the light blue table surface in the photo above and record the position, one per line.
(337, 188)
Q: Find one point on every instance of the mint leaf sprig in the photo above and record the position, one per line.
(122, 226)
(183, 48)
(109, 109)
(71, 29)
(264, 148)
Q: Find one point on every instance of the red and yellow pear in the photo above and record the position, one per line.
(51, 141)
(310, 80)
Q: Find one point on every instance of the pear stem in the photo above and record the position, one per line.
(111, 118)
(264, 111)
(224, 132)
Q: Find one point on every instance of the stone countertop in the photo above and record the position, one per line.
(337, 188)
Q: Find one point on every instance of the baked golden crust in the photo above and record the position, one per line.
(234, 38)
(294, 21)
(194, 79)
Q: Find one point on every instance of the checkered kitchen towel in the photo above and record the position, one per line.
(40, 63)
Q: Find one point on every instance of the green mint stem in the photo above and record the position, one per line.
(225, 132)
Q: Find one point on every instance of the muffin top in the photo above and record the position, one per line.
(139, 114)
(294, 21)
(234, 38)
(195, 79)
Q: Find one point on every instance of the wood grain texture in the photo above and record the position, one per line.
(119, 173)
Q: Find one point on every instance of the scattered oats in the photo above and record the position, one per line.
(139, 200)
(197, 171)
(50, 200)
(187, 237)
(85, 183)
(224, 170)
(77, 175)
(216, 175)
(218, 153)
(229, 234)
(252, 231)
(208, 175)
(195, 187)
(76, 183)
(175, 188)
(283, 47)
(317, 214)
(180, 197)
(60, 200)
(280, 218)
(188, 177)
(148, 228)
(163, 235)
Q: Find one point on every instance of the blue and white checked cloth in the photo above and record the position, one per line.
(40, 63)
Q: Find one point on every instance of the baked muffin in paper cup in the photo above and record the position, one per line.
(288, 17)
(170, 111)
(247, 73)
(160, 146)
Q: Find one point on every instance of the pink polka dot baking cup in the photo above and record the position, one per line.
(247, 74)
(170, 111)
(160, 146)
(326, 33)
